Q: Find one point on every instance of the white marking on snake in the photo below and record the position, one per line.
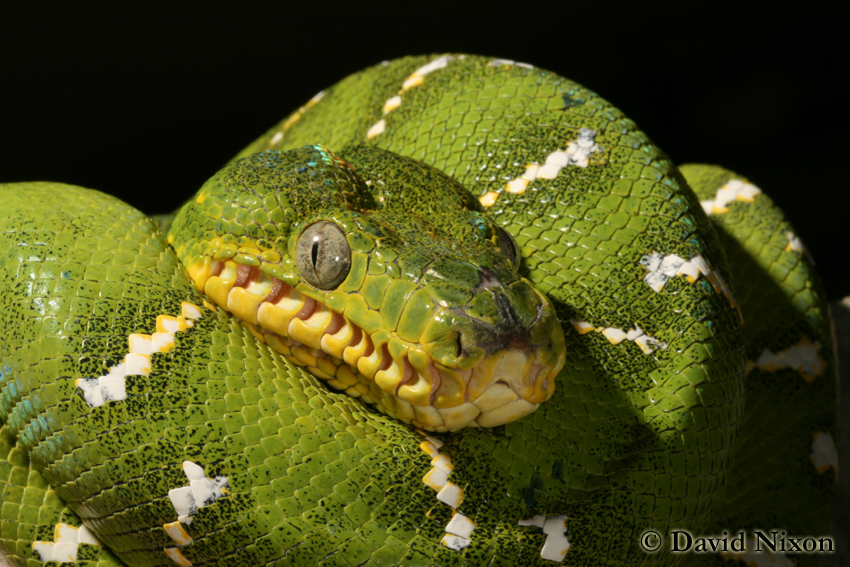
(555, 527)
(295, 117)
(201, 490)
(794, 243)
(458, 531)
(178, 533)
(803, 357)
(66, 540)
(460, 527)
(489, 199)
(377, 128)
(414, 79)
(418, 75)
(497, 62)
(733, 190)
(751, 558)
(615, 336)
(576, 153)
(111, 386)
(451, 494)
(662, 268)
(824, 452)
(455, 543)
(177, 556)
(392, 104)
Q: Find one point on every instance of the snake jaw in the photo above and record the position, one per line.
(444, 383)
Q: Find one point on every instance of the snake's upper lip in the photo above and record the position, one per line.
(401, 378)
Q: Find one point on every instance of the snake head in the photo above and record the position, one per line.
(386, 281)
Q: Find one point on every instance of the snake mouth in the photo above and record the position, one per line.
(399, 377)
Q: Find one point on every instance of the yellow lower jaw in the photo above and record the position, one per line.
(493, 393)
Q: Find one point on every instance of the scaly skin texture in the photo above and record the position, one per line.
(432, 324)
(696, 393)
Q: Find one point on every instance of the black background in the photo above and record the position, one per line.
(146, 101)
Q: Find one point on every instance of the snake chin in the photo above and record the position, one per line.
(398, 377)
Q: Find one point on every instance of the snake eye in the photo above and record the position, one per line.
(508, 246)
(322, 255)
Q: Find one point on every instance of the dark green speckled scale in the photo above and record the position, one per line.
(698, 391)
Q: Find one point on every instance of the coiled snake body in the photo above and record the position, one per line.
(453, 311)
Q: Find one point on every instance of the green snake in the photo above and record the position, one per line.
(453, 311)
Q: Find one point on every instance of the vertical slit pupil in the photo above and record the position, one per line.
(314, 253)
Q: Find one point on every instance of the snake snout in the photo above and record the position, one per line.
(514, 347)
